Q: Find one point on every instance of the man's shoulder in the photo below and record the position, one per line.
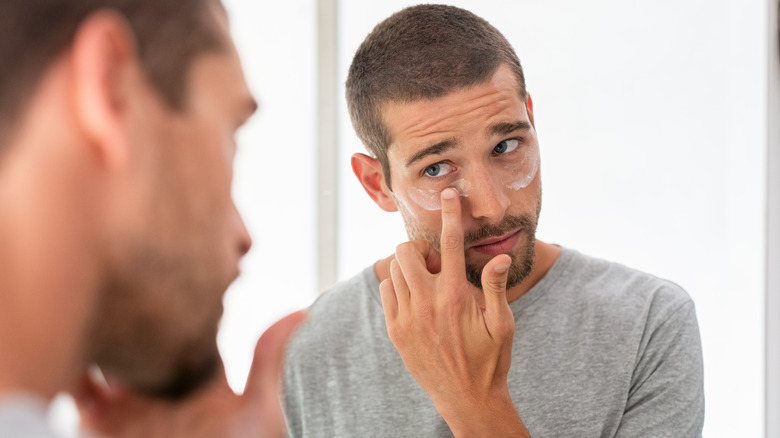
(606, 283)
(341, 313)
(23, 415)
(341, 300)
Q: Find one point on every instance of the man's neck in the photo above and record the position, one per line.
(46, 281)
(40, 339)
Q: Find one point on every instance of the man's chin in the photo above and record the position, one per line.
(187, 378)
(522, 265)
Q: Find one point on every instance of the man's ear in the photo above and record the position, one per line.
(529, 105)
(105, 71)
(369, 172)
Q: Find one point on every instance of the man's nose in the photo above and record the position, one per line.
(243, 239)
(487, 198)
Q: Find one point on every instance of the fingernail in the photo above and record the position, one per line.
(449, 193)
(500, 269)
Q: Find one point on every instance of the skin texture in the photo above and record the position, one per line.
(119, 237)
(454, 338)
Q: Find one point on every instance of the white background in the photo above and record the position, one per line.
(651, 119)
(275, 174)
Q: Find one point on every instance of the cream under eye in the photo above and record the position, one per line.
(430, 199)
(522, 169)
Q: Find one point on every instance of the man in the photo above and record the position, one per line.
(118, 234)
(476, 328)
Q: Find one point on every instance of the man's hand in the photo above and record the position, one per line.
(455, 340)
(214, 411)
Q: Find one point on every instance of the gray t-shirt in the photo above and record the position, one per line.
(23, 416)
(600, 350)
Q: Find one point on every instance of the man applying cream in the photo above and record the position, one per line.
(475, 327)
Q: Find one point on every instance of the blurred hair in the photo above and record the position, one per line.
(168, 35)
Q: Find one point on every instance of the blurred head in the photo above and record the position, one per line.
(168, 34)
(157, 96)
(438, 97)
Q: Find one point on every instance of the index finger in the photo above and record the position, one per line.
(453, 260)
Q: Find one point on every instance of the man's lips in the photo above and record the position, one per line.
(497, 245)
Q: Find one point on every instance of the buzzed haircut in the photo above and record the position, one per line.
(33, 33)
(421, 52)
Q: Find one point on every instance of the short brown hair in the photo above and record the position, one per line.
(168, 33)
(421, 52)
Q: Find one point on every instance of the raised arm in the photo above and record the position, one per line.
(454, 339)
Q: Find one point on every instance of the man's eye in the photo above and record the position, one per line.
(506, 146)
(438, 169)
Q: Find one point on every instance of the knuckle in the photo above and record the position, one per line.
(421, 246)
(393, 333)
(505, 329)
(508, 328)
(450, 241)
(452, 302)
(448, 210)
(496, 285)
(406, 250)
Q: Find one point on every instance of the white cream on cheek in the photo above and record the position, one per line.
(524, 172)
(403, 205)
(430, 200)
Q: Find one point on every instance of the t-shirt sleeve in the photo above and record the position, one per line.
(666, 397)
(292, 402)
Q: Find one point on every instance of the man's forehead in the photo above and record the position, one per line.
(441, 124)
(501, 91)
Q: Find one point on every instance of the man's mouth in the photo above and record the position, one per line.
(497, 245)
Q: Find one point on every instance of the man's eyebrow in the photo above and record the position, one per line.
(434, 149)
(502, 128)
(505, 128)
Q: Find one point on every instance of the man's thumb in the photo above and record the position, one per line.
(264, 376)
(494, 277)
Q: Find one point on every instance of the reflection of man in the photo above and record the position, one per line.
(119, 234)
(555, 344)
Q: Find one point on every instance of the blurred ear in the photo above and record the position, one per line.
(529, 106)
(369, 172)
(106, 73)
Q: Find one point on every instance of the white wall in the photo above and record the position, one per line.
(772, 313)
(651, 121)
(275, 173)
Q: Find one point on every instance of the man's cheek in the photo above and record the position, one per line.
(430, 199)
